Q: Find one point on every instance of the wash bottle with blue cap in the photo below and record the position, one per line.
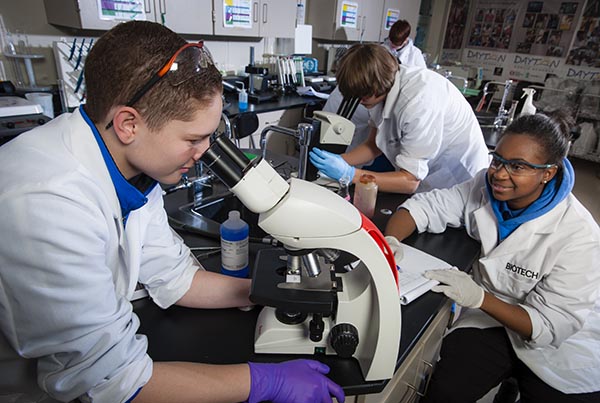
(234, 245)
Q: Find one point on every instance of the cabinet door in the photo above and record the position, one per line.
(277, 18)
(85, 14)
(370, 14)
(348, 20)
(402, 388)
(239, 19)
(393, 6)
(431, 344)
(186, 16)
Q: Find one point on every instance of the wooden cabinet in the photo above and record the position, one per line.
(411, 380)
(182, 16)
(266, 18)
(344, 20)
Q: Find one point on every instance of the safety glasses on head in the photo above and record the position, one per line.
(516, 167)
(185, 63)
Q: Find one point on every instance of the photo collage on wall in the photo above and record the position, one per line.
(547, 33)
(492, 28)
(455, 29)
(585, 50)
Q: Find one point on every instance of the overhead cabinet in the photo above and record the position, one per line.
(344, 20)
(267, 18)
(182, 16)
(252, 18)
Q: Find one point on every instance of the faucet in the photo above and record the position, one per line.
(448, 74)
(502, 112)
(303, 134)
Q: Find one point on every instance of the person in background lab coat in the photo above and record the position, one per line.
(532, 308)
(406, 53)
(402, 47)
(83, 220)
(419, 121)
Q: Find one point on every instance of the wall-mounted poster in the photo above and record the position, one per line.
(455, 29)
(391, 16)
(585, 48)
(349, 14)
(237, 14)
(121, 10)
(493, 25)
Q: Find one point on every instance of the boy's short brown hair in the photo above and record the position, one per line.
(399, 32)
(126, 57)
(366, 70)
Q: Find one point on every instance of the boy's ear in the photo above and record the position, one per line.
(125, 120)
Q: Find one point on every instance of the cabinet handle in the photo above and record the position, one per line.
(163, 6)
(264, 17)
(147, 6)
(255, 11)
(413, 391)
(364, 25)
(426, 378)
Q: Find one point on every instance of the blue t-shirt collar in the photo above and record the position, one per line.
(130, 197)
(554, 192)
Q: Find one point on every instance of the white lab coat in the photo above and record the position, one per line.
(549, 266)
(409, 55)
(426, 127)
(68, 268)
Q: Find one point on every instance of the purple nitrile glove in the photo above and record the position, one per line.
(297, 381)
(332, 165)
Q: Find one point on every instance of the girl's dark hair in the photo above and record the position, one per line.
(552, 131)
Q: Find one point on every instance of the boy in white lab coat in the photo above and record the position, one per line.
(532, 309)
(419, 121)
(401, 46)
(83, 221)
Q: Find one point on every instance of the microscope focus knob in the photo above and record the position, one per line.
(344, 339)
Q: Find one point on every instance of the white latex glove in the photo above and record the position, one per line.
(396, 247)
(457, 285)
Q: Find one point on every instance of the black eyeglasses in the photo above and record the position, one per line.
(188, 61)
(516, 167)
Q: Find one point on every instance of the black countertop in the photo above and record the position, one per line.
(288, 101)
(226, 336)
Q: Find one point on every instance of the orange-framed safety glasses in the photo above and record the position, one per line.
(186, 62)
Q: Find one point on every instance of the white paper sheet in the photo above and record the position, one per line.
(413, 264)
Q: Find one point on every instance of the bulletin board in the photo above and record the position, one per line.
(586, 45)
(546, 28)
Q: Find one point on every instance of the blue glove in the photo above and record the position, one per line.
(332, 165)
(297, 381)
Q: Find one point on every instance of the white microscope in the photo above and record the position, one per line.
(310, 306)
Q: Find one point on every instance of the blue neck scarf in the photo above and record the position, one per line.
(554, 192)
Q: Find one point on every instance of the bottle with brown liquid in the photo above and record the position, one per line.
(365, 195)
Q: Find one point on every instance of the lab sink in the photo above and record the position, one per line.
(491, 134)
(206, 216)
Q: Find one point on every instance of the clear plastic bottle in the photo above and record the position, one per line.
(234, 246)
(365, 195)
(343, 191)
(242, 98)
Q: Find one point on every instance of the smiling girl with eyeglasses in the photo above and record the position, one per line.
(531, 311)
